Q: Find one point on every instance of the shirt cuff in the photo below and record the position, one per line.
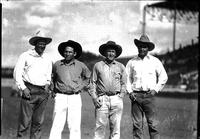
(157, 90)
(22, 87)
(129, 91)
(48, 82)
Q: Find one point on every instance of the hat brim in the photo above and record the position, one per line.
(35, 39)
(138, 43)
(77, 48)
(104, 47)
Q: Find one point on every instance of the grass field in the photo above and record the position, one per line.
(176, 117)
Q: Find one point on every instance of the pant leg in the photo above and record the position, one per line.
(137, 118)
(149, 109)
(116, 110)
(101, 116)
(25, 116)
(59, 116)
(74, 116)
(38, 115)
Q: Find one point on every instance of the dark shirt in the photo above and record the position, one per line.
(71, 77)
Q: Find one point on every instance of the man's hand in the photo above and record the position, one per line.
(121, 95)
(97, 102)
(26, 94)
(132, 96)
(53, 94)
(152, 92)
(47, 89)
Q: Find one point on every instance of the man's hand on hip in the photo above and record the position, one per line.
(26, 94)
(97, 102)
(47, 88)
(152, 92)
(132, 96)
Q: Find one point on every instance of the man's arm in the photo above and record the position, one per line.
(123, 81)
(92, 91)
(49, 77)
(129, 82)
(162, 77)
(18, 72)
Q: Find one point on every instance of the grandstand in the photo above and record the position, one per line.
(182, 66)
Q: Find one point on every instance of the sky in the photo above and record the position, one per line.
(89, 22)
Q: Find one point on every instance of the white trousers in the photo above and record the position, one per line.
(70, 106)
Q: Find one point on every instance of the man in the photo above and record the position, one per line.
(70, 78)
(146, 77)
(109, 87)
(32, 74)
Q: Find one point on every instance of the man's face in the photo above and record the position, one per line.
(40, 47)
(143, 50)
(110, 54)
(69, 53)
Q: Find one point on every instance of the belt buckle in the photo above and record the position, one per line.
(111, 93)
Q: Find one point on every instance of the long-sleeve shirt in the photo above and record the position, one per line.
(145, 74)
(108, 78)
(32, 68)
(71, 77)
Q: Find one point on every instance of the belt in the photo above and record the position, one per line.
(142, 92)
(29, 85)
(67, 92)
(110, 94)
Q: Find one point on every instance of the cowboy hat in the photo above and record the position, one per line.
(77, 47)
(35, 39)
(110, 44)
(144, 40)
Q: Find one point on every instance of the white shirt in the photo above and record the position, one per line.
(144, 75)
(32, 68)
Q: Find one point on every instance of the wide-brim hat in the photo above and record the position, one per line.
(110, 44)
(77, 48)
(144, 40)
(35, 39)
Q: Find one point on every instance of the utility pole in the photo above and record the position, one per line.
(144, 20)
(174, 29)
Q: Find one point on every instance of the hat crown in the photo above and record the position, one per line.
(144, 38)
(39, 36)
(77, 47)
(111, 43)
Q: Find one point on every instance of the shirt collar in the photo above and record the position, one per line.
(113, 62)
(146, 57)
(69, 64)
(34, 53)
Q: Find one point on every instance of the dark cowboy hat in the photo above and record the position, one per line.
(35, 39)
(144, 40)
(110, 44)
(77, 47)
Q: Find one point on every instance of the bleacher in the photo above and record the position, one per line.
(182, 63)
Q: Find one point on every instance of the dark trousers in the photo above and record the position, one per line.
(144, 105)
(32, 112)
